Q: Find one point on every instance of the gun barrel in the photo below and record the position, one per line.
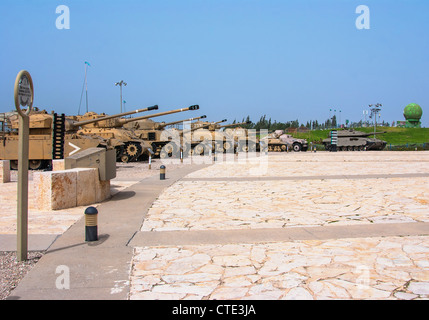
(234, 124)
(85, 122)
(163, 125)
(194, 107)
(203, 126)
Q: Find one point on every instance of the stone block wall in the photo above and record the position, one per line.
(69, 188)
(4, 171)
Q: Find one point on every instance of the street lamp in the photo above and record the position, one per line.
(375, 109)
(120, 84)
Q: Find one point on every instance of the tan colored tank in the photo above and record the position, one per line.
(153, 132)
(127, 134)
(237, 139)
(161, 139)
(128, 146)
(198, 140)
(41, 140)
(278, 141)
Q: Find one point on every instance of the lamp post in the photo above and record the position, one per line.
(120, 84)
(375, 109)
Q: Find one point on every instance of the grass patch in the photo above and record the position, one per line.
(393, 135)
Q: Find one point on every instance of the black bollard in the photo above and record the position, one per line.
(91, 228)
(162, 172)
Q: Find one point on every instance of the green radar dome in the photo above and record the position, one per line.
(413, 112)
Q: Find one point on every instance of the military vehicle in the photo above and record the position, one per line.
(51, 137)
(236, 138)
(161, 139)
(131, 145)
(351, 140)
(278, 141)
(156, 135)
(199, 139)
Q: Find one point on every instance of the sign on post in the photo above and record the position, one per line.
(23, 94)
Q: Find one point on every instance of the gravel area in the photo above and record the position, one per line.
(12, 271)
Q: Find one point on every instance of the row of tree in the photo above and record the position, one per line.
(264, 123)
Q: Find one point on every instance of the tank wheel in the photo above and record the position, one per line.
(218, 147)
(199, 150)
(361, 148)
(284, 148)
(163, 154)
(35, 164)
(132, 149)
(168, 148)
(227, 146)
(14, 164)
(349, 148)
(297, 147)
(244, 148)
(125, 158)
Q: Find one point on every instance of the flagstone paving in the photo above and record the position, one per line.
(358, 268)
(372, 268)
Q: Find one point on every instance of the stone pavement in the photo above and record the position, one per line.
(345, 225)
(340, 225)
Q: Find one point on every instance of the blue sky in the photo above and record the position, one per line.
(286, 59)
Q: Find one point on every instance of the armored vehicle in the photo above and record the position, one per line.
(278, 141)
(51, 137)
(351, 140)
(128, 147)
(199, 139)
(138, 140)
(237, 138)
(154, 134)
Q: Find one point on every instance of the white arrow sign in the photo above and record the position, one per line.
(76, 148)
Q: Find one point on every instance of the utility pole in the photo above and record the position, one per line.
(120, 84)
(86, 85)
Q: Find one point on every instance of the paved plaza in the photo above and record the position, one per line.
(293, 190)
(345, 225)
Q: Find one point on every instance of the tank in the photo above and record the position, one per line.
(152, 132)
(351, 140)
(278, 141)
(42, 143)
(127, 145)
(199, 139)
(237, 139)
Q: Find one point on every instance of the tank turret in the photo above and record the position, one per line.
(353, 133)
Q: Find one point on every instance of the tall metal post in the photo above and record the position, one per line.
(120, 84)
(24, 94)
